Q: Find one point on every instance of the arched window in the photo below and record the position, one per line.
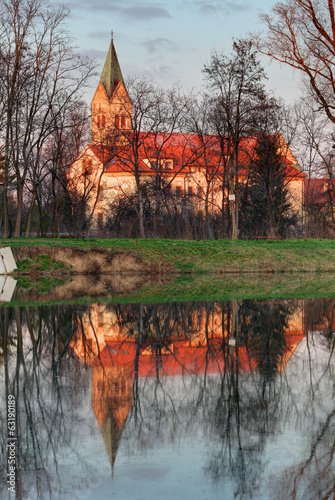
(101, 192)
(100, 319)
(123, 122)
(100, 220)
(117, 121)
(87, 167)
(101, 121)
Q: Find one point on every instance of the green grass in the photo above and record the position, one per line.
(42, 284)
(41, 264)
(217, 257)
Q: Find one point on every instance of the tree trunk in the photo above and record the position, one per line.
(271, 217)
(18, 222)
(235, 230)
(5, 212)
(156, 211)
(208, 229)
(141, 213)
(39, 227)
(30, 213)
(1, 218)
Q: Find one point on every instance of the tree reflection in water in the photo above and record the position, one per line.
(47, 382)
(221, 372)
(312, 476)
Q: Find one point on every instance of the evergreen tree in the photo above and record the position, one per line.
(263, 327)
(264, 198)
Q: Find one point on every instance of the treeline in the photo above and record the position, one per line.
(44, 125)
(43, 121)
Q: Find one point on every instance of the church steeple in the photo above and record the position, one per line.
(111, 74)
(111, 106)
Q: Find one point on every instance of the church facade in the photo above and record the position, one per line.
(113, 166)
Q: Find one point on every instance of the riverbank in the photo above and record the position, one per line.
(117, 288)
(170, 257)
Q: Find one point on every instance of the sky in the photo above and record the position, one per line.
(171, 41)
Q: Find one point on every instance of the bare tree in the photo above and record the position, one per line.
(40, 76)
(51, 187)
(301, 34)
(236, 83)
(209, 155)
(314, 144)
(146, 149)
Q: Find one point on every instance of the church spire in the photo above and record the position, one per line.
(111, 74)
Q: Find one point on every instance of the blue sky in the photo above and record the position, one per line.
(170, 41)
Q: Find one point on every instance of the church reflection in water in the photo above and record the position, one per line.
(240, 389)
(122, 345)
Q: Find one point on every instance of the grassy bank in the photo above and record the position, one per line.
(181, 256)
(87, 289)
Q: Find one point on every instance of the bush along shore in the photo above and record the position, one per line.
(169, 257)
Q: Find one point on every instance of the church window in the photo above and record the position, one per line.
(100, 220)
(178, 190)
(199, 192)
(168, 164)
(101, 193)
(100, 319)
(123, 122)
(87, 167)
(101, 121)
(117, 121)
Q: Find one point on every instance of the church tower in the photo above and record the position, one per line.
(111, 108)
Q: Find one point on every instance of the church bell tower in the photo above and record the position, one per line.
(111, 108)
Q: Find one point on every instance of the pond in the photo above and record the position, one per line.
(183, 400)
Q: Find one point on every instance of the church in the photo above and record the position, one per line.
(123, 159)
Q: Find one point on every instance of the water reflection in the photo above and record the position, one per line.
(238, 395)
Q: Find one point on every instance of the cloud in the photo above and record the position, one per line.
(129, 10)
(157, 69)
(159, 44)
(144, 13)
(220, 9)
(237, 6)
(97, 35)
(208, 9)
(95, 54)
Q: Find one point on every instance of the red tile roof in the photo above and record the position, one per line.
(186, 151)
(181, 358)
(318, 191)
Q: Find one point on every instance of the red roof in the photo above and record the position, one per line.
(318, 191)
(180, 358)
(186, 150)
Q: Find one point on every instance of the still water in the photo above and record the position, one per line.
(210, 400)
